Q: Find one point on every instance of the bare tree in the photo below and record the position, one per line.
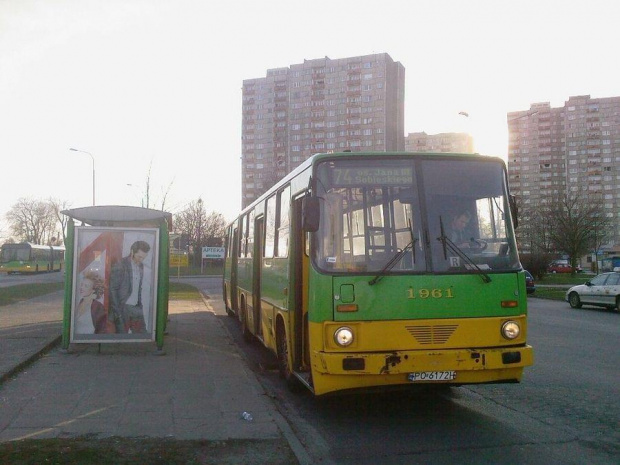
(533, 239)
(200, 228)
(578, 224)
(214, 230)
(534, 229)
(33, 221)
(147, 198)
(165, 195)
(58, 206)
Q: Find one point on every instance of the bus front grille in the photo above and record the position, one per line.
(436, 334)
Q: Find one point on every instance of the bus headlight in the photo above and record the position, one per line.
(511, 330)
(343, 336)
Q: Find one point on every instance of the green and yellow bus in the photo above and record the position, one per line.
(31, 258)
(349, 270)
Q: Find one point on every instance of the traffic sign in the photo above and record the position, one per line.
(213, 252)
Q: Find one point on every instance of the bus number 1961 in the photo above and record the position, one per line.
(429, 293)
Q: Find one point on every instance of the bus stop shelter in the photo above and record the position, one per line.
(116, 275)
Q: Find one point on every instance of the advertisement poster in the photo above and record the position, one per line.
(114, 284)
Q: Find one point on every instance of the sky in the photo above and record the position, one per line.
(152, 88)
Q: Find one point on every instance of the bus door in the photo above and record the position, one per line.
(234, 259)
(300, 264)
(257, 328)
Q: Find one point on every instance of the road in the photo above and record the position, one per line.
(7, 280)
(566, 409)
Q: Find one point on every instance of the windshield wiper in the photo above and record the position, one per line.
(412, 239)
(389, 265)
(448, 244)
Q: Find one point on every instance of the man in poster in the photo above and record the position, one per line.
(126, 283)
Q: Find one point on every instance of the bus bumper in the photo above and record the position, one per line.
(336, 371)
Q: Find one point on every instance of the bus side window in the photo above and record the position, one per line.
(240, 238)
(270, 227)
(284, 222)
(250, 236)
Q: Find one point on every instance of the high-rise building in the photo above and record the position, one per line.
(319, 105)
(452, 142)
(555, 151)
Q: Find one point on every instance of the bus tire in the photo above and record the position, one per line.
(243, 318)
(292, 383)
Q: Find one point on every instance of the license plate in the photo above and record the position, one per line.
(432, 376)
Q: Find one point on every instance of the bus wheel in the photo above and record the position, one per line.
(286, 373)
(573, 300)
(243, 317)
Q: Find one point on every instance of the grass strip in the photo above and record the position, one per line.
(551, 293)
(20, 292)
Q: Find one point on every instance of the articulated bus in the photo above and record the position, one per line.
(348, 270)
(31, 258)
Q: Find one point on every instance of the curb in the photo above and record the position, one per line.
(283, 425)
(31, 359)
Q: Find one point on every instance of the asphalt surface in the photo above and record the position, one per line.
(198, 389)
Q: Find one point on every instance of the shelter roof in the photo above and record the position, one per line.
(119, 215)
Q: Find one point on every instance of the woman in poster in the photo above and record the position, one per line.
(92, 317)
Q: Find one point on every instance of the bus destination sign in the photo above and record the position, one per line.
(372, 176)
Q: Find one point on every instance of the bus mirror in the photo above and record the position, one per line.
(310, 213)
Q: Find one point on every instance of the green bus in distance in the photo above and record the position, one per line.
(31, 258)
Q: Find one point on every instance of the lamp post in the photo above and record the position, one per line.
(141, 196)
(469, 141)
(525, 115)
(93, 159)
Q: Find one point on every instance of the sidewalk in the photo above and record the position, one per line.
(197, 390)
(27, 329)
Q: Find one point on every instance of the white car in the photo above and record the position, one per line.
(602, 290)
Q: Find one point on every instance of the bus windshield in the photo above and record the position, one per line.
(430, 215)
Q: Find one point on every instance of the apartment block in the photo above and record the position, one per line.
(319, 105)
(553, 151)
(452, 142)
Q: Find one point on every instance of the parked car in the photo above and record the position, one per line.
(602, 291)
(530, 285)
(555, 267)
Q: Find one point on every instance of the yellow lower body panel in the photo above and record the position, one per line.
(339, 371)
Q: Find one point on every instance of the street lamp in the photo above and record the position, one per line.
(93, 159)
(525, 115)
(141, 196)
(469, 141)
